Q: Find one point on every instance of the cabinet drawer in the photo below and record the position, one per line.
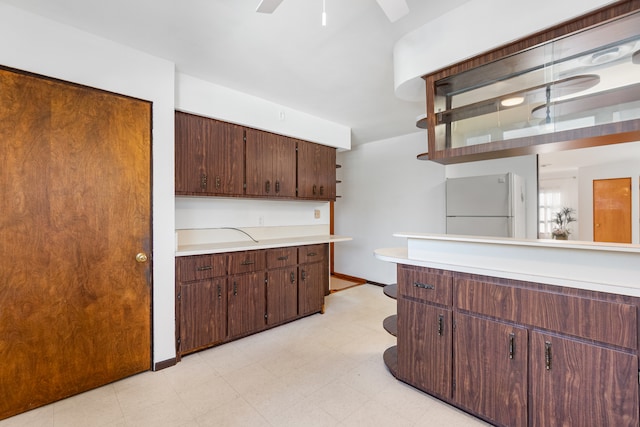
(604, 321)
(312, 253)
(282, 257)
(426, 285)
(199, 267)
(246, 262)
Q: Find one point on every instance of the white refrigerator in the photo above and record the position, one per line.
(490, 205)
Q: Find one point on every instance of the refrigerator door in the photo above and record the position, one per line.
(480, 226)
(488, 195)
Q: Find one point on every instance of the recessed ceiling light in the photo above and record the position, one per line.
(512, 102)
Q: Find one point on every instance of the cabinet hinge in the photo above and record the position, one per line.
(453, 386)
(178, 342)
(179, 296)
(265, 315)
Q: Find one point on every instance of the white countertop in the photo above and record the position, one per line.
(608, 267)
(246, 245)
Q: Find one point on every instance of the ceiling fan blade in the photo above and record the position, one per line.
(268, 6)
(394, 9)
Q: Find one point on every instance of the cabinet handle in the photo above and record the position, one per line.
(267, 186)
(247, 262)
(283, 258)
(440, 324)
(204, 268)
(312, 254)
(547, 355)
(219, 292)
(322, 190)
(203, 181)
(277, 186)
(423, 285)
(303, 274)
(235, 288)
(218, 182)
(292, 277)
(512, 345)
(315, 189)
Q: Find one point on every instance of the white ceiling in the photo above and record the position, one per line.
(342, 72)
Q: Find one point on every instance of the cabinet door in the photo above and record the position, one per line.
(312, 278)
(271, 164)
(316, 171)
(282, 295)
(203, 314)
(424, 347)
(246, 304)
(580, 384)
(208, 156)
(490, 369)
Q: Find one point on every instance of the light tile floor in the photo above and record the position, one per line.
(323, 370)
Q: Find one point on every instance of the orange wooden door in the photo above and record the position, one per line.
(75, 185)
(612, 210)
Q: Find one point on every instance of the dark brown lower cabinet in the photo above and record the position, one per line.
(203, 313)
(424, 347)
(222, 297)
(490, 370)
(519, 353)
(282, 295)
(246, 306)
(311, 287)
(581, 384)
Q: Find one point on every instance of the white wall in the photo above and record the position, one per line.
(41, 46)
(385, 190)
(525, 166)
(204, 98)
(210, 212)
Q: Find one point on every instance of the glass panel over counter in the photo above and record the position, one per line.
(588, 81)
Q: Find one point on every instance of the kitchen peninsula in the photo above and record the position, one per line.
(520, 332)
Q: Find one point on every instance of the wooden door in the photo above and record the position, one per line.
(75, 192)
(270, 165)
(567, 390)
(424, 347)
(209, 156)
(282, 295)
(246, 304)
(203, 313)
(490, 369)
(612, 210)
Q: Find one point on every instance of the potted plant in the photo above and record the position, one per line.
(562, 219)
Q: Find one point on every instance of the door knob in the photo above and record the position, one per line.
(141, 257)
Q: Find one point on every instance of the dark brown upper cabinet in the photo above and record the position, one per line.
(571, 86)
(271, 165)
(209, 156)
(316, 171)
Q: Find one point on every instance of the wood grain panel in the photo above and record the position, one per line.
(313, 278)
(424, 355)
(312, 253)
(203, 314)
(246, 304)
(282, 295)
(200, 267)
(607, 322)
(582, 384)
(424, 285)
(209, 156)
(246, 261)
(491, 369)
(282, 257)
(75, 189)
(270, 165)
